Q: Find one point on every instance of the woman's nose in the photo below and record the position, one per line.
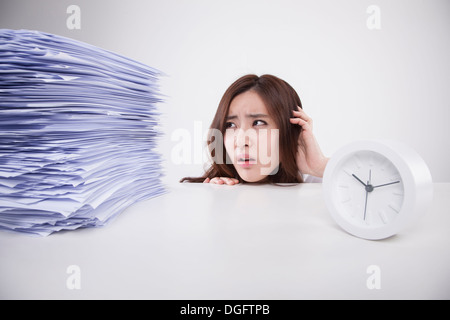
(244, 138)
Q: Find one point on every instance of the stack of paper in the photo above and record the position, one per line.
(78, 132)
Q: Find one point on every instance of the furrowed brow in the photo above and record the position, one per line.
(252, 116)
(231, 118)
(257, 115)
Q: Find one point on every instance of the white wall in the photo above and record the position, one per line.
(392, 82)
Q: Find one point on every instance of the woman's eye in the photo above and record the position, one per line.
(259, 123)
(230, 125)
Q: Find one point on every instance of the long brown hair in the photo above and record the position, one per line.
(280, 99)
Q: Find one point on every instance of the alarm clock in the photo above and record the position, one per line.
(375, 188)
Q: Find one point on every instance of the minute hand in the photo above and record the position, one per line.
(386, 184)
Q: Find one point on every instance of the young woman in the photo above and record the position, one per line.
(260, 134)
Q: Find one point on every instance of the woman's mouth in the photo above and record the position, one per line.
(245, 161)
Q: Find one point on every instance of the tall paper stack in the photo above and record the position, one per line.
(78, 132)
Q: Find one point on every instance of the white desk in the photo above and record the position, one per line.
(202, 241)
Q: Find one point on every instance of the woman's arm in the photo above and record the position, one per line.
(310, 159)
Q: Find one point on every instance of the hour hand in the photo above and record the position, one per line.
(359, 180)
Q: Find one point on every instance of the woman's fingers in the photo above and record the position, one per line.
(217, 180)
(222, 180)
(229, 181)
(301, 118)
(305, 124)
(301, 114)
(298, 121)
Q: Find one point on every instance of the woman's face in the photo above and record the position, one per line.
(251, 137)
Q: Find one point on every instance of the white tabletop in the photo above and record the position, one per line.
(202, 241)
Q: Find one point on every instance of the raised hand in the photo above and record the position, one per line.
(310, 159)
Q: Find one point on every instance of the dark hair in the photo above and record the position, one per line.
(280, 99)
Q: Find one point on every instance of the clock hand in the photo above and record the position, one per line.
(359, 180)
(365, 205)
(386, 184)
(369, 188)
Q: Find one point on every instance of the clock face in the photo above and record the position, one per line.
(367, 189)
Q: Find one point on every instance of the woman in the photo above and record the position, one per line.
(266, 135)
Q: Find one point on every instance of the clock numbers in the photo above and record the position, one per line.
(348, 171)
(358, 162)
(371, 160)
(394, 207)
(383, 216)
(344, 192)
(383, 164)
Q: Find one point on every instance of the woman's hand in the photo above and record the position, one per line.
(310, 159)
(222, 180)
